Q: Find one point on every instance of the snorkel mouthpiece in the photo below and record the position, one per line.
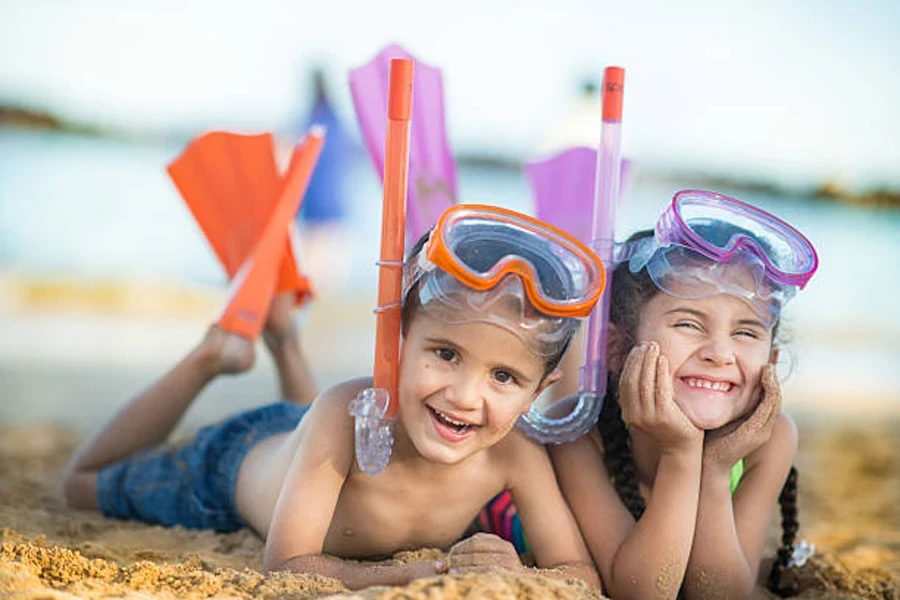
(566, 419)
(373, 435)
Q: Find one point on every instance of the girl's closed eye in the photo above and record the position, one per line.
(688, 325)
(749, 333)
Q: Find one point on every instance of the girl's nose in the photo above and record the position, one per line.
(718, 351)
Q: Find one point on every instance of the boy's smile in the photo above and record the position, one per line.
(716, 348)
(463, 386)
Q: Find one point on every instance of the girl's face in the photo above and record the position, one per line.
(463, 386)
(716, 348)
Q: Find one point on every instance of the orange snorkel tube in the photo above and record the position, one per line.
(393, 231)
(375, 408)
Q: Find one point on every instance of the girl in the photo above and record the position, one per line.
(675, 486)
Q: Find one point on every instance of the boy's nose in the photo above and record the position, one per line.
(464, 392)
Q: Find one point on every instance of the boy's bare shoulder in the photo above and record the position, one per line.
(516, 448)
(342, 393)
(326, 434)
(329, 416)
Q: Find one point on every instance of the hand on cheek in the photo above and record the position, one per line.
(727, 445)
(647, 399)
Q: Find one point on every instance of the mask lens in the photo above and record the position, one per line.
(481, 247)
(686, 274)
(727, 225)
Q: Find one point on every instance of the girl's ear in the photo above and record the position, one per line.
(617, 348)
(773, 356)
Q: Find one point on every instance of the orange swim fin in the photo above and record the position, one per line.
(230, 183)
(256, 281)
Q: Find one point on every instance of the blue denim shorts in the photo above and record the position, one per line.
(193, 485)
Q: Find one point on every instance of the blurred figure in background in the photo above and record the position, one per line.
(325, 205)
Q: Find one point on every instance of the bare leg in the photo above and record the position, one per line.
(283, 340)
(149, 418)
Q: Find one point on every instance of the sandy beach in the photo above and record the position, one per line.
(66, 364)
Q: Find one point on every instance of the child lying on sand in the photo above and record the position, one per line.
(472, 361)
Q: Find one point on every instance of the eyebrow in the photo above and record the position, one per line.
(701, 314)
(446, 342)
(683, 309)
(753, 323)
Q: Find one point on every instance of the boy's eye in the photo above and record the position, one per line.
(502, 376)
(446, 354)
(688, 325)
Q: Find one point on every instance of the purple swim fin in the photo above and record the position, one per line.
(563, 188)
(432, 170)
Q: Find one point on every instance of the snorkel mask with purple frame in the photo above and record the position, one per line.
(706, 243)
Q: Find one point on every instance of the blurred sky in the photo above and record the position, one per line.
(799, 92)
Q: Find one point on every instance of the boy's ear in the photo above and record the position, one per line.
(554, 376)
(773, 356)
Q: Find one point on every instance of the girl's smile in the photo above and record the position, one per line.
(716, 348)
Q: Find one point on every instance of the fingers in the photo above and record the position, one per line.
(637, 385)
(758, 425)
(664, 391)
(480, 552)
(770, 405)
(648, 379)
(482, 543)
(629, 383)
(771, 386)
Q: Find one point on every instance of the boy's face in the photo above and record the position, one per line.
(716, 348)
(463, 386)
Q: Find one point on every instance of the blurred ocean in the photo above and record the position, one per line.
(98, 210)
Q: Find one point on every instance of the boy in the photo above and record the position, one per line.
(474, 357)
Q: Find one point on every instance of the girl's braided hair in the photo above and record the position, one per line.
(630, 293)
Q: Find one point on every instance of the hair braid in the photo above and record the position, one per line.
(618, 458)
(789, 526)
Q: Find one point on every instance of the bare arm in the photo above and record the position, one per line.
(549, 524)
(646, 559)
(357, 576)
(731, 534)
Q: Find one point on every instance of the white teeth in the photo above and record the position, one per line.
(450, 420)
(718, 386)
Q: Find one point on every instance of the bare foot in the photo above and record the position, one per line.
(226, 352)
(280, 327)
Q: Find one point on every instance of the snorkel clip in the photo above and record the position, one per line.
(374, 432)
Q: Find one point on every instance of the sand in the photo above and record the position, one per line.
(76, 367)
(849, 501)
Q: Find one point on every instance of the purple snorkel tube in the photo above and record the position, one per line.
(606, 197)
(569, 418)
